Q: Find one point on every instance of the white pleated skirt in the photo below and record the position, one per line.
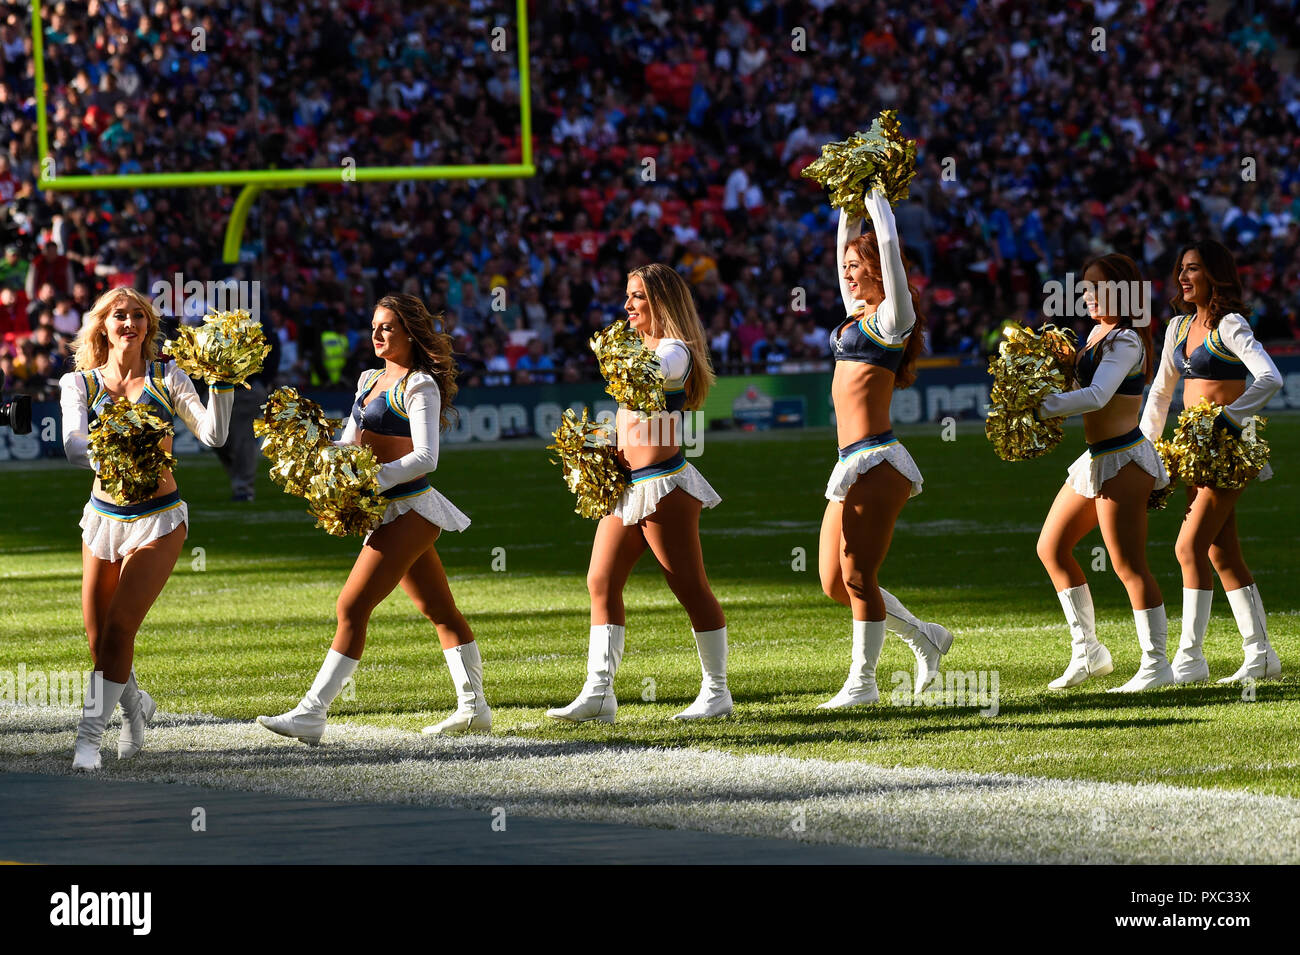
(430, 505)
(1099, 464)
(114, 531)
(861, 456)
(649, 486)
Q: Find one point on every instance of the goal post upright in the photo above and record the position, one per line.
(255, 180)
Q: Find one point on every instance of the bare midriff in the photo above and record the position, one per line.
(862, 394)
(644, 442)
(1194, 389)
(387, 447)
(1120, 416)
(1220, 392)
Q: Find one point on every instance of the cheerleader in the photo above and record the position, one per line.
(875, 352)
(660, 509)
(1212, 347)
(398, 412)
(1109, 484)
(128, 550)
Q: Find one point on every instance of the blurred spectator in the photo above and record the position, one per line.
(1034, 154)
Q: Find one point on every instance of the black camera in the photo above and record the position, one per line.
(16, 412)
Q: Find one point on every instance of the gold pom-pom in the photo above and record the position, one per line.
(1160, 496)
(880, 158)
(590, 464)
(631, 371)
(1029, 366)
(228, 347)
(127, 444)
(1210, 457)
(343, 493)
(295, 430)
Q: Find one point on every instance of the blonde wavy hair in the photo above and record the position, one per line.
(673, 315)
(90, 348)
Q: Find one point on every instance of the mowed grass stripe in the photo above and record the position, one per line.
(246, 634)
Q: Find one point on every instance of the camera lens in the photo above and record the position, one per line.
(16, 414)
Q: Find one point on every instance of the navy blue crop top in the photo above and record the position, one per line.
(864, 341)
(1213, 361)
(386, 412)
(1089, 358)
(155, 393)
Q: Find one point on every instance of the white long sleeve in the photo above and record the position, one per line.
(895, 315)
(211, 424)
(424, 408)
(674, 361)
(1156, 411)
(1123, 356)
(349, 432)
(849, 229)
(76, 427)
(1236, 334)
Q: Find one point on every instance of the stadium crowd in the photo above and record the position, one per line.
(660, 136)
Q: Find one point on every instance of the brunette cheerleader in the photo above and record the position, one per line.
(398, 412)
(1109, 484)
(1212, 347)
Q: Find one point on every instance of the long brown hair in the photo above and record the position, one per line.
(673, 315)
(869, 252)
(430, 347)
(1225, 284)
(90, 348)
(1116, 267)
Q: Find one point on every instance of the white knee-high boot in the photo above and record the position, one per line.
(1088, 656)
(1261, 662)
(102, 697)
(306, 721)
(1153, 632)
(714, 698)
(138, 708)
(929, 641)
(860, 687)
(597, 700)
(472, 712)
(1189, 662)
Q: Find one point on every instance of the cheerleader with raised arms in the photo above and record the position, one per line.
(875, 352)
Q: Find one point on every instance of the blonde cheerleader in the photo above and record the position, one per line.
(875, 352)
(659, 510)
(1108, 485)
(128, 550)
(398, 412)
(1212, 347)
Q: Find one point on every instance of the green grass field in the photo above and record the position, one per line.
(246, 634)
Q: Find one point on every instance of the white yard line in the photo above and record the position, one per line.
(975, 816)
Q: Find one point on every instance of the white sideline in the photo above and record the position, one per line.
(974, 816)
